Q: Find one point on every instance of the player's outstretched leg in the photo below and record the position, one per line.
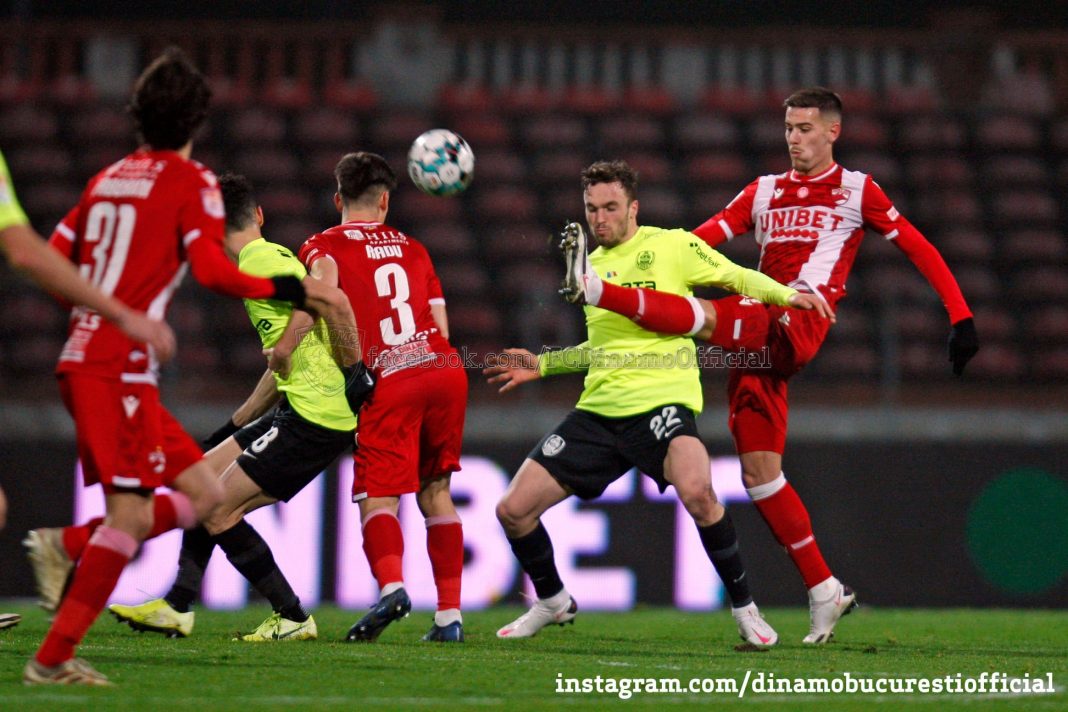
(51, 563)
(573, 245)
(827, 602)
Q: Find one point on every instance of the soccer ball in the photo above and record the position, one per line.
(441, 163)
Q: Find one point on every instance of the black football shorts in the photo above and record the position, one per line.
(587, 452)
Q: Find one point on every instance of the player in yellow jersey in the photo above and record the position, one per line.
(642, 392)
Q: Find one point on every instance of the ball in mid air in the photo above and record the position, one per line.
(440, 162)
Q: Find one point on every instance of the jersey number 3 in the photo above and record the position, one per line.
(391, 281)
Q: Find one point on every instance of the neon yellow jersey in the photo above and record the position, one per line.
(315, 386)
(630, 370)
(10, 210)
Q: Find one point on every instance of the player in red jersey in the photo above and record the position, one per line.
(809, 223)
(133, 230)
(410, 430)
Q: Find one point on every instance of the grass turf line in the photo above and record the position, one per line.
(208, 671)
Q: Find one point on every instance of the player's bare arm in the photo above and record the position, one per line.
(512, 368)
(441, 318)
(262, 398)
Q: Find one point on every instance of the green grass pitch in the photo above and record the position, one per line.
(208, 671)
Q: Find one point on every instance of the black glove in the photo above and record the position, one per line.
(359, 382)
(289, 289)
(963, 344)
(220, 435)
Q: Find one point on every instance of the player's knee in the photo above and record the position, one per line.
(207, 499)
(698, 499)
(510, 516)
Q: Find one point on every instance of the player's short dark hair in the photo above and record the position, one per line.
(815, 98)
(170, 101)
(612, 172)
(238, 199)
(363, 176)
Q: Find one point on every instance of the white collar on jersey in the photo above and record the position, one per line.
(801, 179)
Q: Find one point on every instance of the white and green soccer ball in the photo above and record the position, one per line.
(440, 162)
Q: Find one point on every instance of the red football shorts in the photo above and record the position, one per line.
(126, 438)
(757, 396)
(410, 430)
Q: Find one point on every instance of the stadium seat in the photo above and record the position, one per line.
(326, 126)
(506, 202)
(947, 170)
(407, 200)
(663, 207)
(996, 362)
(499, 165)
(1018, 170)
(702, 130)
(1045, 323)
(257, 126)
(630, 132)
(1050, 365)
(39, 161)
(978, 283)
(964, 245)
(927, 132)
(473, 319)
(867, 132)
(551, 131)
(105, 123)
(513, 242)
(766, 132)
(997, 324)
(654, 168)
(558, 167)
(482, 129)
(1024, 207)
(1007, 132)
(462, 279)
(846, 359)
(398, 129)
(28, 123)
(1033, 246)
(285, 201)
(266, 166)
(1040, 284)
(717, 167)
(444, 240)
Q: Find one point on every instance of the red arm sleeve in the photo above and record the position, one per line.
(200, 221)
(733, 220)
(881, 215)
(434, 292)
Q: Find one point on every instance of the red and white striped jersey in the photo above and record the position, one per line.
(130, 234)
(808, 228)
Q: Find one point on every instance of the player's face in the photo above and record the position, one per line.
(810, 139)
(612, 218)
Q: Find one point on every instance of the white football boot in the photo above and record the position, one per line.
(827, 602)
(752, 627)
(541, 614)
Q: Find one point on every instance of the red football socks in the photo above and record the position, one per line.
(383, 543)
(169, 510)
(445, 546)
(656, 311)
(788, 519)
(102, 563)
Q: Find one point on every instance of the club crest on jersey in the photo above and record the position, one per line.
(211, 199)
(841, 195)
(802, 192)
(355, 235)
(553, 445)
(645, 259)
